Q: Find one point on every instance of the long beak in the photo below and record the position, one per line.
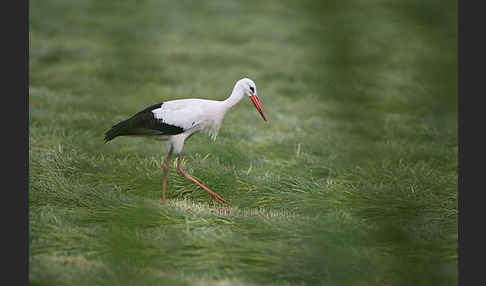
(258, 105)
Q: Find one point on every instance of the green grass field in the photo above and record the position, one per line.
(353, 181)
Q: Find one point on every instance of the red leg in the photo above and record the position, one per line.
(213, 194)
(166, 170)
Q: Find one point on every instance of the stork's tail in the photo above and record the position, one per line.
(120, 129)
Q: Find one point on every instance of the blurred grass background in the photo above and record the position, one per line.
(352, 182)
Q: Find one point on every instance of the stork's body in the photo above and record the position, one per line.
(176, 120)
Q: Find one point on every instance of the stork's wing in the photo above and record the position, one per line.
(143, 123)
(184, 113)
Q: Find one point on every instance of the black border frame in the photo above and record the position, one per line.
(15, 116)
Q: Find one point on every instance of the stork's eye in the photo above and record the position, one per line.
(252, 89)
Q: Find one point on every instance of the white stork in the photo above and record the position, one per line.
(176, 120)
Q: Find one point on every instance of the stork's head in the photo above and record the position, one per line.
(249, 87)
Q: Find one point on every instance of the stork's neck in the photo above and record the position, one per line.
(236, 96)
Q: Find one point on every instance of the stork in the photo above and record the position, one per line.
(176, 120)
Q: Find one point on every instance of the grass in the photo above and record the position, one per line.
(352, 182)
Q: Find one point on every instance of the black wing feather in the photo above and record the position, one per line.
(142, 123)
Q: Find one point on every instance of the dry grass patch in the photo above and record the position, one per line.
(190, 206)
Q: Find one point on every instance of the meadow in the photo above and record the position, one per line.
(353, 181)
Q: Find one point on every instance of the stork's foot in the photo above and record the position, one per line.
(217, 197)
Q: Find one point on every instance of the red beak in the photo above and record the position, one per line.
(258, 105)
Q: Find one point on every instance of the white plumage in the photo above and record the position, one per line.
(177, 120)
(192, 115)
